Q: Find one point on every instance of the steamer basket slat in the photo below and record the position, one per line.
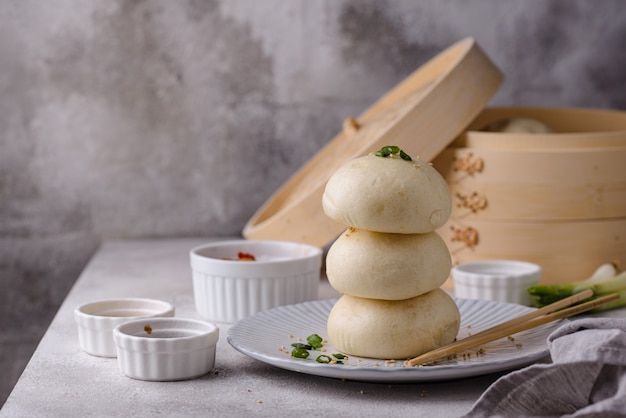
(551, 185)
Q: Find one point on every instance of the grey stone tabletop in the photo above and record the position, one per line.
(61, 380)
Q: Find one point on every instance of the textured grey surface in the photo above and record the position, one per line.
(124, 119)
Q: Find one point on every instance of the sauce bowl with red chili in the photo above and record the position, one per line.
(238, 278)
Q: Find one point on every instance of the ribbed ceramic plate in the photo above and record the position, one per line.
(268, 336)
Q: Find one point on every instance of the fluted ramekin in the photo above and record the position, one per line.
(227, 289)
(96, 321)
(498, 280)
(166, 349)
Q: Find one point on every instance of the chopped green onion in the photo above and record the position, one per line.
(392, 150)
(302, 346)
(299, 353)
(382, 153)
(315, 341)
(323, 358)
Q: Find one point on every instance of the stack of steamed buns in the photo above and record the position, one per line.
(389, 264)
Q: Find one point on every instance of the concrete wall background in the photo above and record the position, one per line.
(128, 119)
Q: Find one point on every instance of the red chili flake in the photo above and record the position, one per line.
(245, 256)
(241, 256)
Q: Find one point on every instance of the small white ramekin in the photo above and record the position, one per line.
(96, 321)
(227, 290)
(166, 349)
(498, 280)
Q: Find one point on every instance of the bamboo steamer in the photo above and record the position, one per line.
(558, 199)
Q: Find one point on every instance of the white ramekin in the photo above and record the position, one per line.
(165, 349)
(498, 280)
(227, 290)
(96, 321)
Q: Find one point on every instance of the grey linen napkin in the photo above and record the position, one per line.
(587, 376)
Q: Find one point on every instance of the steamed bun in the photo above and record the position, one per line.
(387, 266)
(388, 195)
(393, 329)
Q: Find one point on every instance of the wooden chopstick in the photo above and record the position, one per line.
(522, 323)
(560, 304)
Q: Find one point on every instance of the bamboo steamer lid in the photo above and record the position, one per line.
(423, 115)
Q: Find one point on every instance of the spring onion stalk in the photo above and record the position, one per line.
(604, 281)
